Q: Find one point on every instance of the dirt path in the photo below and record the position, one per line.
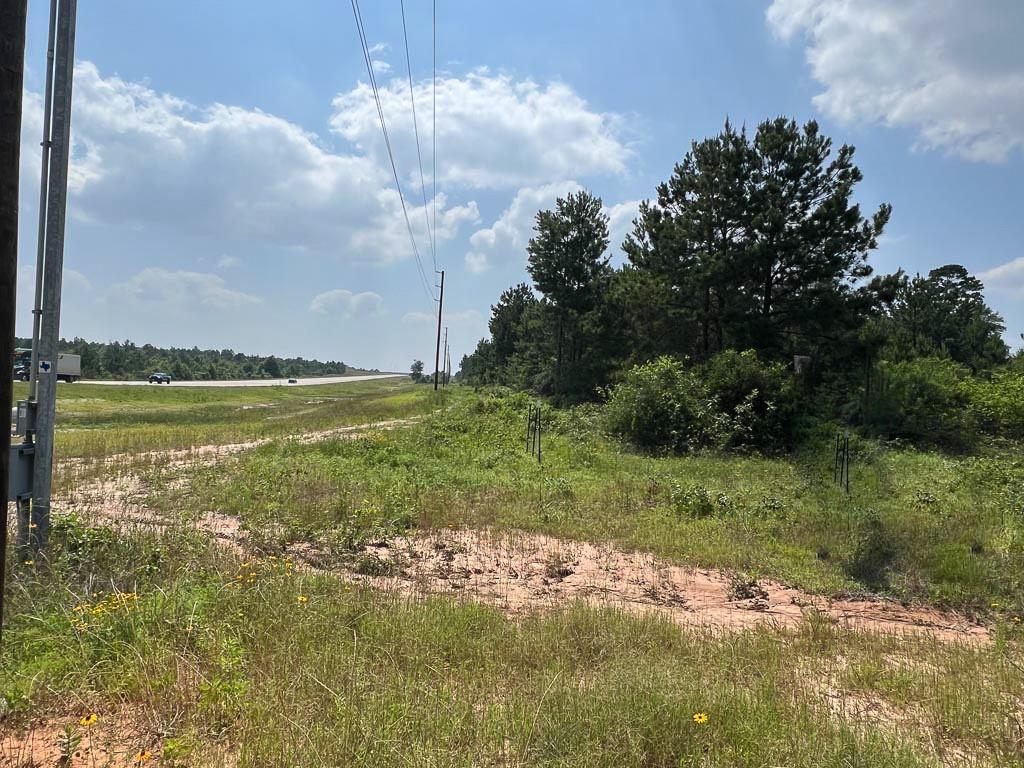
(520, 572)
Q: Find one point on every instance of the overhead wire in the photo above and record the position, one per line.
(416, 134)
(387, 143)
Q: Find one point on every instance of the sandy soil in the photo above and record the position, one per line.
(520, 572)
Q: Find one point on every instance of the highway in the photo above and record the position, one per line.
(255, 382)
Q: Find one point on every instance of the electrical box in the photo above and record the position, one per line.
(20, 476)
(24, 417)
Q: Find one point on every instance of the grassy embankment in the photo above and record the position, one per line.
(221, 659)
(95, 421)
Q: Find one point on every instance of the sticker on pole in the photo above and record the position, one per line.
(45, 366)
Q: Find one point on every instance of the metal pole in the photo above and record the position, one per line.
(24, 505)
(42, 478)
(44, 181)
(437, 352)
(12, 78)
(444, 360)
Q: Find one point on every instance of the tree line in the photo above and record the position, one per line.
(126, 360)
(754, 243)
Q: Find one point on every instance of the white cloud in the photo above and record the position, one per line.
(507, 237)
(159, 288)
(346, 303)
(380, 66)
(620, 222)
(1007, 279)
(951, 70)
(380, 47)
(227, 262)
(492, 131)
(149, 160)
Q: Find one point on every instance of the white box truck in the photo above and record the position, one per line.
(69, 367)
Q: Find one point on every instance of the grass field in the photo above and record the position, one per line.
(206, 654)
(96, 421)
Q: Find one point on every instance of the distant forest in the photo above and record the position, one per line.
(126, 360)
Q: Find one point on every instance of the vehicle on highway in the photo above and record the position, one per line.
(69, 367)
(293, 381)
(159, 378)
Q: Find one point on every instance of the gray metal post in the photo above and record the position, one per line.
(24, 506)
(44, 185)
(437, 352)
(42, 480)
(12, 75)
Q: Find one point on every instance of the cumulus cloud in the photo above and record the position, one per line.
(380, 66)
(507, 237)
(620, 222)
(492, 131)
(347, 304)
(227, 262)
(1006, 279)
(147, 159)
(953, 71)
(157, 287)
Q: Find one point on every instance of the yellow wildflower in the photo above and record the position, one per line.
(303, 599)
(88, 720)
(143, 756)
(700, 718)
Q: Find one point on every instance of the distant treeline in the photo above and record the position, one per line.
(127, 360)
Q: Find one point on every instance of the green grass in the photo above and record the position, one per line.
(95, 421)
(915, 525)
(357, 677)
(271, 665)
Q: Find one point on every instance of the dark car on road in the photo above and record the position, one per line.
(160, 378)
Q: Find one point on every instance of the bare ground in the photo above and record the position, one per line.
(519, 572)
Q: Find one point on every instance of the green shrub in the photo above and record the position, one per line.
(925, 401)
(660, 405)
(998, 403)
(755, 397)
(732, 401)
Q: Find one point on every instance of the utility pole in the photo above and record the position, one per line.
(448, 365)
(444, 360)
(53, 270)
(24, 505)
(437, 352)
(12, 76)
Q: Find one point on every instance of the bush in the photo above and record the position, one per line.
(660, 405)
(926, 401)
(732, 401)
(756, 399)
(998, 403)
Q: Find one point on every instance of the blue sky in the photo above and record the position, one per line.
(229, 186)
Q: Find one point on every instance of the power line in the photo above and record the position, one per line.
(416, 133)
(387, 143)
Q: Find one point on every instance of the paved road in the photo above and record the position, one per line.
(256, 382)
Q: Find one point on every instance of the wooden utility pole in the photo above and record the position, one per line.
(437, 351)
(12, 78)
